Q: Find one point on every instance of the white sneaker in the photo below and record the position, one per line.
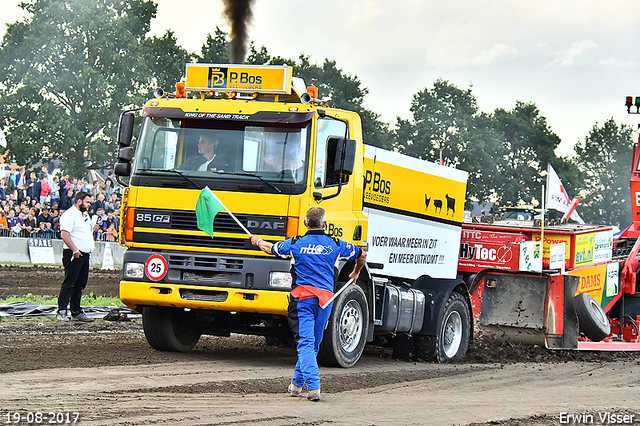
(62, 315)
(314, 395)
(81, 317)
(294, 390)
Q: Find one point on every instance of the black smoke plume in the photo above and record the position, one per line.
(239, 14)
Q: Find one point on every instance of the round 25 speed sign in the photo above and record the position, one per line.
(156, 267)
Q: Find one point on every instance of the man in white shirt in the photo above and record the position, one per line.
(77, 233)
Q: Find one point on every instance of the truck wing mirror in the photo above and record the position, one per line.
(125, 154)
(125, 128)
(123, 166)
(122, 169)
(345, 156)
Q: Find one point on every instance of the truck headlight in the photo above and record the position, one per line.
(280, 280)
(133, 270)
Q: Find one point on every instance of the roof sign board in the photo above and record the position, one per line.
(238, 78)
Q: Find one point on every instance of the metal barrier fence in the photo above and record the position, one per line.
(23, 233)
(6, 232)
(51, 234)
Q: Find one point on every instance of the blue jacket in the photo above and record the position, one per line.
(314, 257)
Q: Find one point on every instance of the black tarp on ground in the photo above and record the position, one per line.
(33, 310)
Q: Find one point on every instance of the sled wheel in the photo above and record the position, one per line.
(452, 340)
(591, 318)
(346, 333)
(170, 329)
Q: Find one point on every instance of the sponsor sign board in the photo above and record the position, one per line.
(549, 239)
(612, 284)
(592, 280)
(477, 255)
(238, 78)
(600, 281)
(603, 247)
(414, 210)
(41, 250)
(556, 256)
(584, 249)
(397, 182)
(410, 247)
(530, 256)
(492, 236)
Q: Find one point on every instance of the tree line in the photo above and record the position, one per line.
(70, 67)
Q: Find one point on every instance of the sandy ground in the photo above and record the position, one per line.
(106, 372)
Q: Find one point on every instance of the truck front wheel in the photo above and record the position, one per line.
(345, 336)
(170, 329)
(452, 340)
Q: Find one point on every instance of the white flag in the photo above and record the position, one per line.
(3, 140)
(557, 197)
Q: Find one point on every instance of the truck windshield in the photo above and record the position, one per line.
(274, 152)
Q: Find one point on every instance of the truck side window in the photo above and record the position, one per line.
(328, 129)
(164, 149)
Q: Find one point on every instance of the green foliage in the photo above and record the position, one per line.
(504, 152)
(604, 158)
(167, 60)
(215, 49)
(345, 91)
(87, 300)
(442, 121)
(528, 146)
(67, 71)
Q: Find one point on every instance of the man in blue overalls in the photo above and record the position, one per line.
(314, 257)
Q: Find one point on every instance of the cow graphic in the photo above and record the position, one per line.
(451, 205)
(437, 204)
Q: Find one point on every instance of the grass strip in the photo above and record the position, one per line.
(87, 300)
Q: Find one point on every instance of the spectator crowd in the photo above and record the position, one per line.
(32, 201)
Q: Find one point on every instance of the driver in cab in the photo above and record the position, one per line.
(207, 158)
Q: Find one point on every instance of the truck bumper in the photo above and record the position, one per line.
(135, 294)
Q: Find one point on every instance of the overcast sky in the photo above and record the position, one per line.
(576, 60)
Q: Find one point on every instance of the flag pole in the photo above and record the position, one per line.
(324, 306)
(227, 210)
(542, 225)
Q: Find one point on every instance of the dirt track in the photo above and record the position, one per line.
(108, 373)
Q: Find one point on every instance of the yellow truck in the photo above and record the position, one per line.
(270, 149)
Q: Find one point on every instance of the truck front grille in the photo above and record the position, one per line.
(194, 240)
(200, 277)
(179, 261)
(180, 220)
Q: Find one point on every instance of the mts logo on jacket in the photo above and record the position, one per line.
(316, 249)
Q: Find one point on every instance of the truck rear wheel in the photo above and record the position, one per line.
(170, 329)
(345, 336)
(591, 318)
(452, 340)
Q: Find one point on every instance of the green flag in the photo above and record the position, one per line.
(206, 210)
